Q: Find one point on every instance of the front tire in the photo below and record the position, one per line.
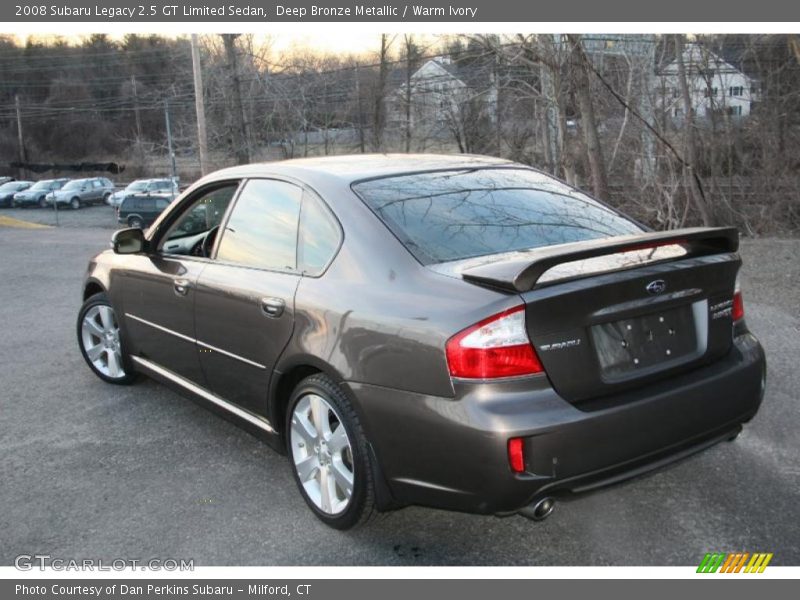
(135, 222)
(329, 454)
(75, 203)
(100, 343)
(42, 202)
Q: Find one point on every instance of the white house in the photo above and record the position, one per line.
(714, 85)
(439, 91)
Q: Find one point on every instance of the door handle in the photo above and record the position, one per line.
(272, 307)
(181, 286)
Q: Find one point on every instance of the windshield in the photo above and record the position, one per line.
(452, 215)
(43, 185)
(12, 186)
(136, 186)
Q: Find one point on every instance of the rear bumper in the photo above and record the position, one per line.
(451, 453)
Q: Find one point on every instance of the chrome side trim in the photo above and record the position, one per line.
(231, 354)
(160, 328)
(195, 341)
(205, 394)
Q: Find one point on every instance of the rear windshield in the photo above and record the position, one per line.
(453, 215)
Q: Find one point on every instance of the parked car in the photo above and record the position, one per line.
(6, 179)
(8, 189)
(140, 211)
(153, 187)
(37, 194)
(83, 192)
(459, 332)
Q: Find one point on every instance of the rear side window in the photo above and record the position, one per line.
(452, 215)
(262, 229)
(319, 236)
(144, 204)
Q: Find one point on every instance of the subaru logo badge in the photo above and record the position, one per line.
(657, 286)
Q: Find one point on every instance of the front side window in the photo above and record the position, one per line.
(203, 214)
(262, 229)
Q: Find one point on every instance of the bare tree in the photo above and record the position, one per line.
(583, 91)
(691, 176)
(239, 125)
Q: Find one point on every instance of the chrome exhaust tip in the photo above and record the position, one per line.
(539, 510)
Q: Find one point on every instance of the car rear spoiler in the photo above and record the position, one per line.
(521, 272)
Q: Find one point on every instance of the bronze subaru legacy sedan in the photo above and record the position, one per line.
(459, 332)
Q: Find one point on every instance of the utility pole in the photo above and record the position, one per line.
(239, 129)
(138, 117)
(136, 113)
(169, 140)
(19, 136)
(199, 106)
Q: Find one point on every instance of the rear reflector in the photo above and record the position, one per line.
(495, 347)
(738, 306)
(516, 454)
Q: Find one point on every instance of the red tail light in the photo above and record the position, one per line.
(495, 347)
(516, 454)
(737, 313)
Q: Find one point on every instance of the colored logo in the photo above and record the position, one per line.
(735, 562)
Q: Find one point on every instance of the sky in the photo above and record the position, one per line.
(355, 42)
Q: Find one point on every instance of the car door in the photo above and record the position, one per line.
(244, 303)
(159, 287)
(97, 191)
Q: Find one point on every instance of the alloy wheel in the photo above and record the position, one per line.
(322, 454)
(100, 339)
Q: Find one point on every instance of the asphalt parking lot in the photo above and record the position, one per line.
(94, 470)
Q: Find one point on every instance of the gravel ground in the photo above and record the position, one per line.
(94, 470)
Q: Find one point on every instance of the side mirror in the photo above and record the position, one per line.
(128, 241)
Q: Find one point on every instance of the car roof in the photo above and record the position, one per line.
(354, 167)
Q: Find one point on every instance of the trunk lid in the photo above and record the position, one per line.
(608, 315)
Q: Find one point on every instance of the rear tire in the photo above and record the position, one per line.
(329, 454)
(100, 343)
(135, 222)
